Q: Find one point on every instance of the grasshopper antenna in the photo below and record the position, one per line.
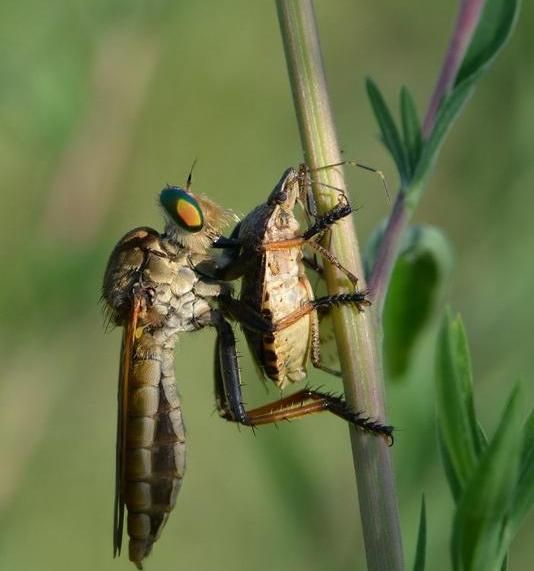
(190, 176)
(362, 166)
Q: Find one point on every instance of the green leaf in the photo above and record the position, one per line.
(454, 483)
(524, 493)
(479, 540)
(390, 134)
(411, 128)
(420, 552)
(496, 23)
(453, 479)
(462, 437)
(415, 295)
(448, 112)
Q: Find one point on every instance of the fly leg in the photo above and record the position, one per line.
(229, 396)
(308, 401)
(228, 393)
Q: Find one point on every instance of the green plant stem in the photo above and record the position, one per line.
(356, 333)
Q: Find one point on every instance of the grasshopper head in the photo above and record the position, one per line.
(286, 192)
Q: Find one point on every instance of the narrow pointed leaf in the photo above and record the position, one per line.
(420, 552)
(524, 493)
(388, 129)
(496, 23)
(479, 540)
(456, 412)
(453, 479)
(411, 128)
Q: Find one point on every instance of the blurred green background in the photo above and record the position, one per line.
(103, 103)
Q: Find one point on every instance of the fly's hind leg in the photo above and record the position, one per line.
(309, 401)
(229, 396)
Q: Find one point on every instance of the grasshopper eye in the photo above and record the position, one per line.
(182, 208)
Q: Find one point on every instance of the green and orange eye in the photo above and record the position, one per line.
(182, 208)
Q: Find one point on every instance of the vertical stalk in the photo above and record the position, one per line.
(356, 333)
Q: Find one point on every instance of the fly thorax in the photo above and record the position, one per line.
(162, 299)
(188, 313)
(158, 269)
(184, 281)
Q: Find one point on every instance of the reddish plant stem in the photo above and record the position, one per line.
(388, 252)
(466, 23)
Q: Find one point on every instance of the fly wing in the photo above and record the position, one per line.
(127, 348)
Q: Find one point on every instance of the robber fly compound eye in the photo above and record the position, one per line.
(182, 208)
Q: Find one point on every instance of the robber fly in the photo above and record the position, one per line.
(266, 251)
(153, 290)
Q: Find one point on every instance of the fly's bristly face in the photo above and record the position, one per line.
(193, 221)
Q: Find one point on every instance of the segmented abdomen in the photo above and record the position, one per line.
(155, 447)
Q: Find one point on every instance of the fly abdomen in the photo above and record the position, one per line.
(155, 450)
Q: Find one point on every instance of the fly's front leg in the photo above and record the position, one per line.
(230, 265)
(228, 393)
